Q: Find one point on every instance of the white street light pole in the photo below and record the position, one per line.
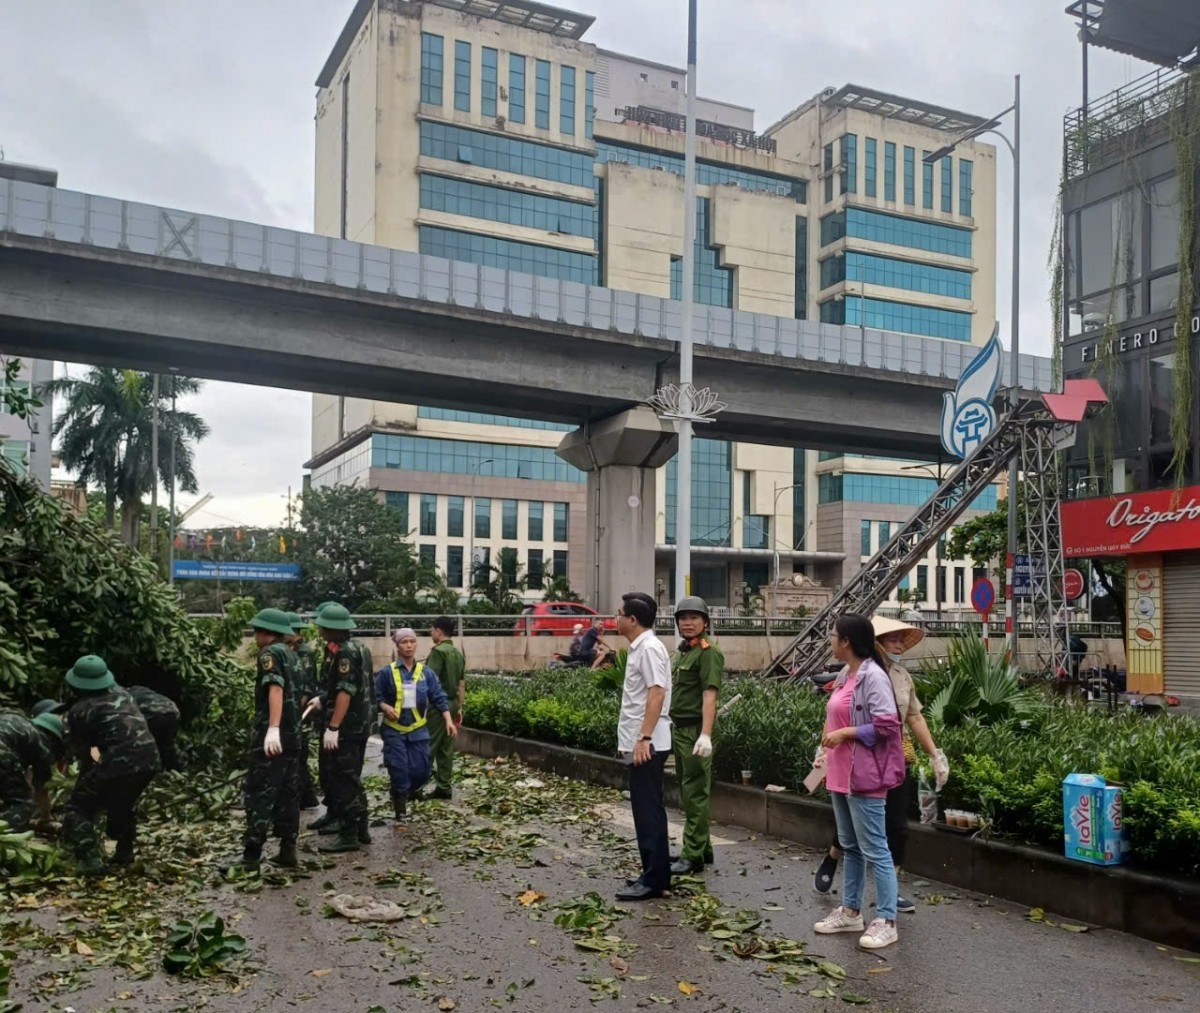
(779, 490)
(683, 485)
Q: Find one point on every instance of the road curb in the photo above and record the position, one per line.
(1158, 908)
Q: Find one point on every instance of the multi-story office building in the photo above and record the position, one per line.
(492, 133)
(27, 443)
(1131, 322)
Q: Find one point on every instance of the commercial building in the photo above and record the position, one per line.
(1130, 321)
(26, 443)
(490, 132)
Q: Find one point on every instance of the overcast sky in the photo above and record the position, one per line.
(209, 107)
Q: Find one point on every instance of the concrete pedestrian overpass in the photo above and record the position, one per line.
(92, 279)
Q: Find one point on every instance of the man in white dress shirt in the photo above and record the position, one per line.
(644, 741)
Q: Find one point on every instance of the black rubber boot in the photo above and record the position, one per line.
(364, 831)
(287, 854)
(123, 856)
(322, 821)
(332, 827)
(346, 840)
(400, 808)
(250, 860)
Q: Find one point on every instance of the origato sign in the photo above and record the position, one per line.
(1165, 520)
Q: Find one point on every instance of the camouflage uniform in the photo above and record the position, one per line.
(270, 789)
(162, 716)
(348, 669)
(105, 718)
(306, 659)
(22, 748)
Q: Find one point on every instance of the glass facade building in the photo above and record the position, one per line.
(512, 207)
(509, 254)
(713, 283)
(896, 230)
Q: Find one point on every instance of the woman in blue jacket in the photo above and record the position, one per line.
(404, 692)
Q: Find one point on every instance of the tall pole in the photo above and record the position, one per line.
(1015, 350)
(683, 488)
(1083, 109)
(171, 495)
(154, 472)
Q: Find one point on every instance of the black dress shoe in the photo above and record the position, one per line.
(686, 867)
(638, 891)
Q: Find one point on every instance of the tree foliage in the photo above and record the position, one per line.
(984, 539)
(351, 549)
(105, 431)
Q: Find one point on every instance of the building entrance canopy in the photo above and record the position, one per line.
(1166, 32)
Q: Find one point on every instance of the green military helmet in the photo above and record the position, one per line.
(335, 617)
(51, 723)
(273, 621)
(90, 673)
(45, 707)
(321, 608)
(692, 603)
(299, 623)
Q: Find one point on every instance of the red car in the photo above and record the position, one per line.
(558, 619)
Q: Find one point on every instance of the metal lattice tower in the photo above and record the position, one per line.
(1033, 435)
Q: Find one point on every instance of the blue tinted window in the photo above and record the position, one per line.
(542, 96)
(431, 69)
(926, 182)
(493, 151)
(897, 490)
(454, 566)
(428, 513)
(398, 502)
(869, 167)
(875, 270)
(513, 207)
(488, 81)
(465, 457)
(850, 163)
(508, 519)
(462, 76)
(707, 173)
(566, 100)
(713, 283)
(562, 525)
(864, 537)
(885, 533)
(884, 315)
(535, 570)
(801, 268)
(947, 184)
(482, 418)
(516, 88)
(454, 516)
(896, 231)
(589, 104)
(559, 563)
(910, 175)
(483, 517)
(965, 184)
(711, 493)
(537, 521)
(508, 254)
(889, 171)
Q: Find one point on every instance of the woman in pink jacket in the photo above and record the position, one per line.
(864, 758)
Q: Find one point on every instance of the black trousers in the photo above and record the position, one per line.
(650, 821)
(897, 804)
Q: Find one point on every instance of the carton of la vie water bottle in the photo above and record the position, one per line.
(1093, 828)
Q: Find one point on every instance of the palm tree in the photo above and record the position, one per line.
(105, 432)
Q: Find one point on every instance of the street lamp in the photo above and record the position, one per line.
(937, 577)
(775, 526)
(1014, 147)
(469, 520)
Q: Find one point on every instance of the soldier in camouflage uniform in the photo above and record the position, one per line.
(306, 658)
(269, 794)
(105, 722)
(327, 822)
(162, 717)
(350, 704)
(28, 752)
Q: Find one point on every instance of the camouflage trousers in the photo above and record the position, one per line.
(345, 796)
(163, 727)
(306, 790)
(16, 800)
(114, 795)
(270, 797)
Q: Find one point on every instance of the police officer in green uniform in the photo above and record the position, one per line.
(117, 757)
(270, 789)
(447, 663)
(696, 670)
(306, 658)
(349, 701)
(28, 753)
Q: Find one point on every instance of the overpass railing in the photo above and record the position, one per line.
(102, 223)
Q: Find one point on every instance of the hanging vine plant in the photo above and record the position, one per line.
(1184, 126)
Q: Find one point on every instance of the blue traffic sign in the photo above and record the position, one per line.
(204, 569)
(983, 595)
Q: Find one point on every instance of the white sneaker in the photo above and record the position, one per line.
(878, 935)
(839, 921)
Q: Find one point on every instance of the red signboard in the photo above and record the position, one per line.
(1073, 584)
(1165, 520)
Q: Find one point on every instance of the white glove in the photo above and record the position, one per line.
(941, 769)
(330, 740)
(703, 746)
(271, 744)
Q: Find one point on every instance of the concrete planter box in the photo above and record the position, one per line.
(1159, 908)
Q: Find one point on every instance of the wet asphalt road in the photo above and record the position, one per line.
(476, 947)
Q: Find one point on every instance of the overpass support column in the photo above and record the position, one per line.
(620, 455)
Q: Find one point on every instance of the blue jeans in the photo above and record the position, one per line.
(862, 836)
